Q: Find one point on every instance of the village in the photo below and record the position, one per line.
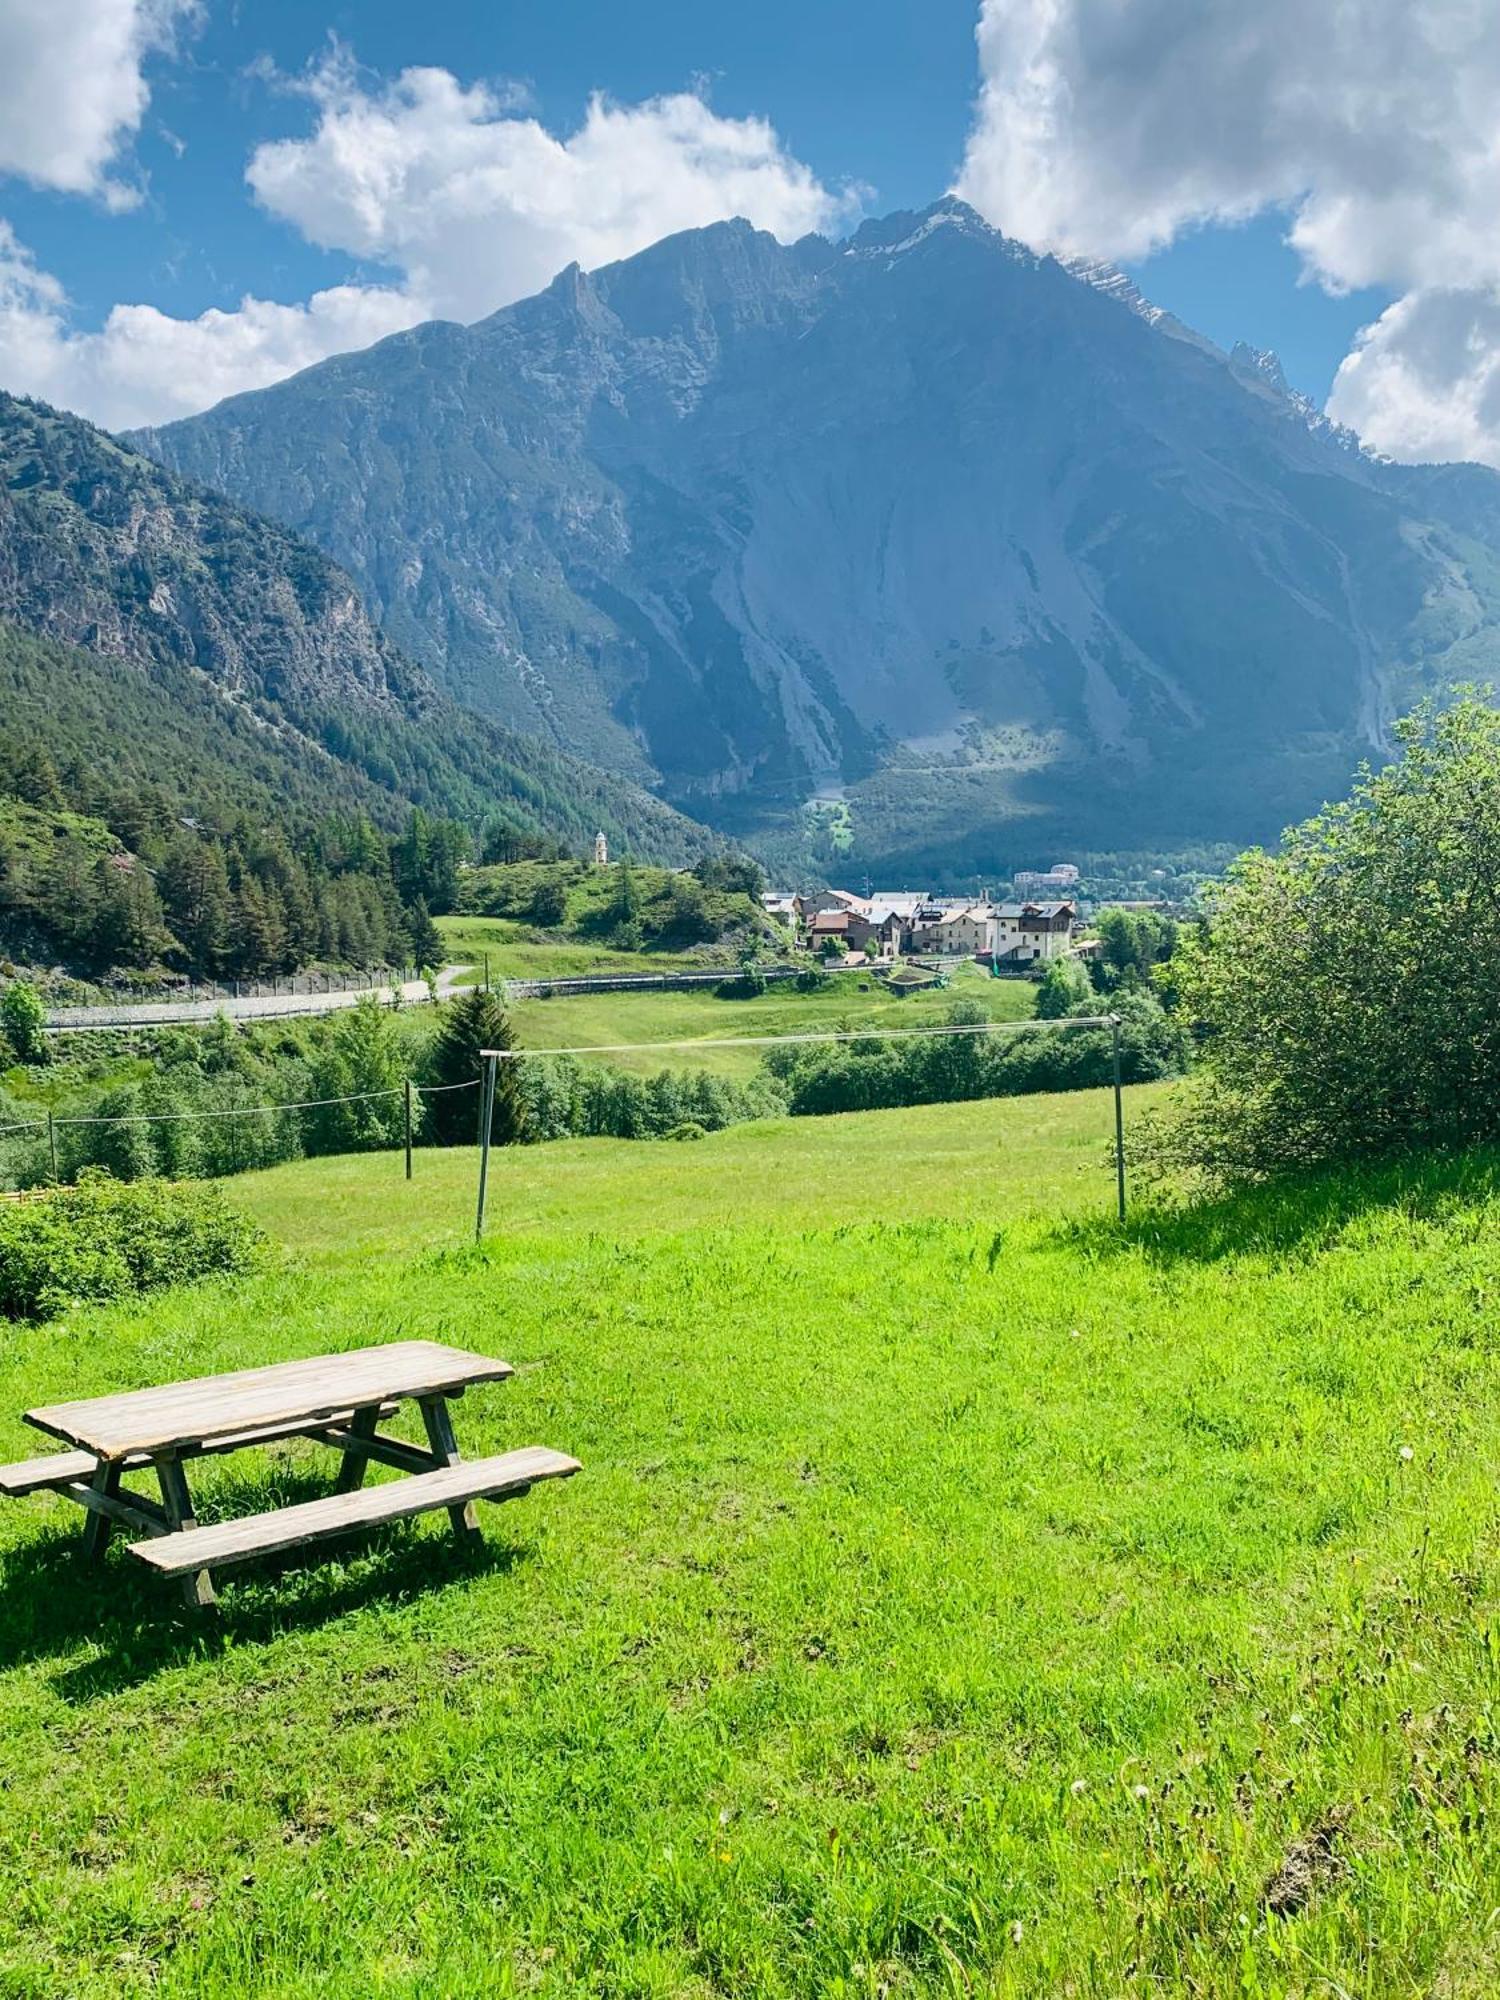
(1042, 923)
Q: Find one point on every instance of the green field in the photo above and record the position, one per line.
(850, 1000)
(517, 952)
(960, 1596)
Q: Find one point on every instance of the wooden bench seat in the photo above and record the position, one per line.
(225, 1542)
(63, 1468)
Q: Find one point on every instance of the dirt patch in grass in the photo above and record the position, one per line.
(1311, 1863)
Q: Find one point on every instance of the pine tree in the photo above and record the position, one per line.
(474, 1021)
(194, 884)
(424, 939)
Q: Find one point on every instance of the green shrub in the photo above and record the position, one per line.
(23, 1021)
(105, 1239)
(1344, 988)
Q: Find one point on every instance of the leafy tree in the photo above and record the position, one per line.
(1064, 985)
(472, 1022)
(361, 1056)
(1345, 987)
(732, 873)
(549, 904)
(23, 1021)
(1134, 941)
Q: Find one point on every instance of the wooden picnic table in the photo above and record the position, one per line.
(337, 1399)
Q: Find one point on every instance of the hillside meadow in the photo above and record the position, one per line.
(853, 999)
(961, 1595)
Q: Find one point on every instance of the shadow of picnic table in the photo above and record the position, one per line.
(134, 1625)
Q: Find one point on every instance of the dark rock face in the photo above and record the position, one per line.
(750, 521)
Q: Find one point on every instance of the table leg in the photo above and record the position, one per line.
(197, 1586)
(356, 1463)
(106, 1482)
(445, 1448)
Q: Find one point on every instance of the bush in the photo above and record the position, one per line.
(104, 1240)
(946, 1069)
(23, 1021)
(1344, 989)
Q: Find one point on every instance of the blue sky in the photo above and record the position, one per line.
(266, 164)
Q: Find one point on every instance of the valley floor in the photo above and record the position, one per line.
(960, 1595)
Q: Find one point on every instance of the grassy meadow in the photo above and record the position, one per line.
(517, 951)
(961, 1595)
(850, 1000)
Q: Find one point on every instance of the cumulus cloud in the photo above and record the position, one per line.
(1424, 380)
(1106, 129)
(144, 366)
(466, 202)
(478, 206)
(72, 92)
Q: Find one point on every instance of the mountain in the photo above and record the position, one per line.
(173, 637)
(975, 552)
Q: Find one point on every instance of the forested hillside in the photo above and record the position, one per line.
(191, 644)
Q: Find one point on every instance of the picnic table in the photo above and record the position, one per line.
(337, 1399)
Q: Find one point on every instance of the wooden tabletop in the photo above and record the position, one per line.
(181, 1414)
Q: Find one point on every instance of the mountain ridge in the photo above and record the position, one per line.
(922, 522)
(260, 644)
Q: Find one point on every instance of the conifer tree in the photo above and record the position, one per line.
(474, 1021)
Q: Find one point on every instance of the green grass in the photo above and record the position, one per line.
(850, 1000)
(517, 952)
(960, 1596)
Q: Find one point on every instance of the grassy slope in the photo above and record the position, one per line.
(518, 952)
(850, 1001)
(954, 1600)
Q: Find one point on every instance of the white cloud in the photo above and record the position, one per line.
(1424, 380)
(72, 93)
(468, 203)
(478, 206)
(1105, 129)
(143, 366)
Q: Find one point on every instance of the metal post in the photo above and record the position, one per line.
(408, 1128)
(52, 1142)
(1114, 1029)
(486, 972)
(486, 1118)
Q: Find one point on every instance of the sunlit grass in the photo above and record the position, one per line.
(959, 1596)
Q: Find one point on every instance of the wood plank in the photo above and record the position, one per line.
(505, 1477)
(362, 1445)
(184, 1416)
(101, 1497)
(134, 1509)
(57, 1468)
(197, 1585)
(62, 1469)
(445, 1450)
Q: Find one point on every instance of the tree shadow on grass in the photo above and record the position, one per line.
(1295, 1215)
(52, 1602)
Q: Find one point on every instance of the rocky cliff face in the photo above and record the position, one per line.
(104, 551)
(98, 548)
(919, 510)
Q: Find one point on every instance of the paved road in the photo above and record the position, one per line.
(176, 1013)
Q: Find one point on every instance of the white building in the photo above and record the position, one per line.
(1031, 933)
(1055, 881)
